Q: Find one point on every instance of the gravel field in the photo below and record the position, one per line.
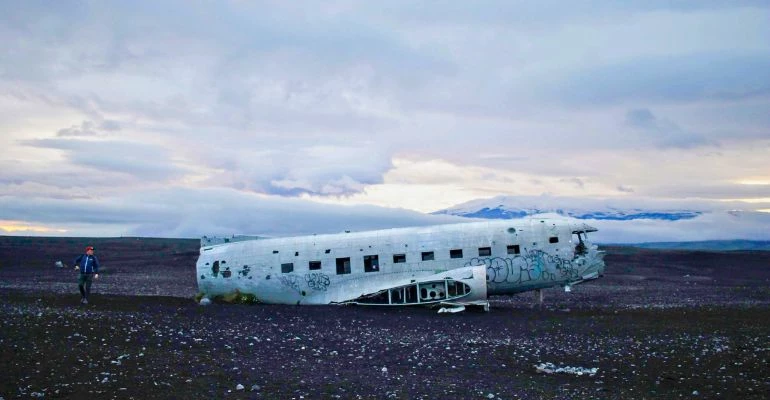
(660, 324)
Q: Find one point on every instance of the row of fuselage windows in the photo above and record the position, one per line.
(372, 262)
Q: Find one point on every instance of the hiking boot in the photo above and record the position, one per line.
(82, 299)
(85, 301)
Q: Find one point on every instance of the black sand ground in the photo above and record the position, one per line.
(660, 324)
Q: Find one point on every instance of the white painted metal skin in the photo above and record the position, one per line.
(494, 257)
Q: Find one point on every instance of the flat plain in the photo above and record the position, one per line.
(659, 324)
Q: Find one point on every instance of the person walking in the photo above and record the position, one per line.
(88, 265)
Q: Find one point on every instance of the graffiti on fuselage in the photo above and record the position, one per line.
(290, 281)
(533, 265)
(317, 281)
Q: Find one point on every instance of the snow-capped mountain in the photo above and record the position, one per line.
(632, 220)
(506, 207)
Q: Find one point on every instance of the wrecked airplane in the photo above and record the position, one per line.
(453, 265)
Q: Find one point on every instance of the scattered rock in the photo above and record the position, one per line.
(549, 368)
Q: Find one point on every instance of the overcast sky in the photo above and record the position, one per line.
(164, 118)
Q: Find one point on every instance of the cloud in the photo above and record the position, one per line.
(715, 219)
(320, 101)
(89, 128)
(141, 160)
(308, 169)
(641, 118)
(709, 226)
(588, 205)
(712, 191)
(669, 78)
(577, 182)
(208, 212)
(662, 132)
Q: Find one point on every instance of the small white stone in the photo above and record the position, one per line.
(205, 301)
(239, 387)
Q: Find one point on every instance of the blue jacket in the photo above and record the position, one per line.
(88, 264)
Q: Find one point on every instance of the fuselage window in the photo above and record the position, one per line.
(343, 265)
(399, 258)
(287, 267)
(514, 249)
(427, 256)
(485, 251)
(456, 253)
(371, 263)
(314, 265)
(215, 268)
(553, 239)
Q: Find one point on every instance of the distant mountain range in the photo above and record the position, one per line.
(515, 207)
(659, 224)
(706, 245)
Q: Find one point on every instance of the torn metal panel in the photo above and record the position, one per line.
(466, 284)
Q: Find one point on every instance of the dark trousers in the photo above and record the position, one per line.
(84, 284)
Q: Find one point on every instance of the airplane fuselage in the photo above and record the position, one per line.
(491, 257)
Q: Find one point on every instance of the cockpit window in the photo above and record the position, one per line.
(580, 248)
